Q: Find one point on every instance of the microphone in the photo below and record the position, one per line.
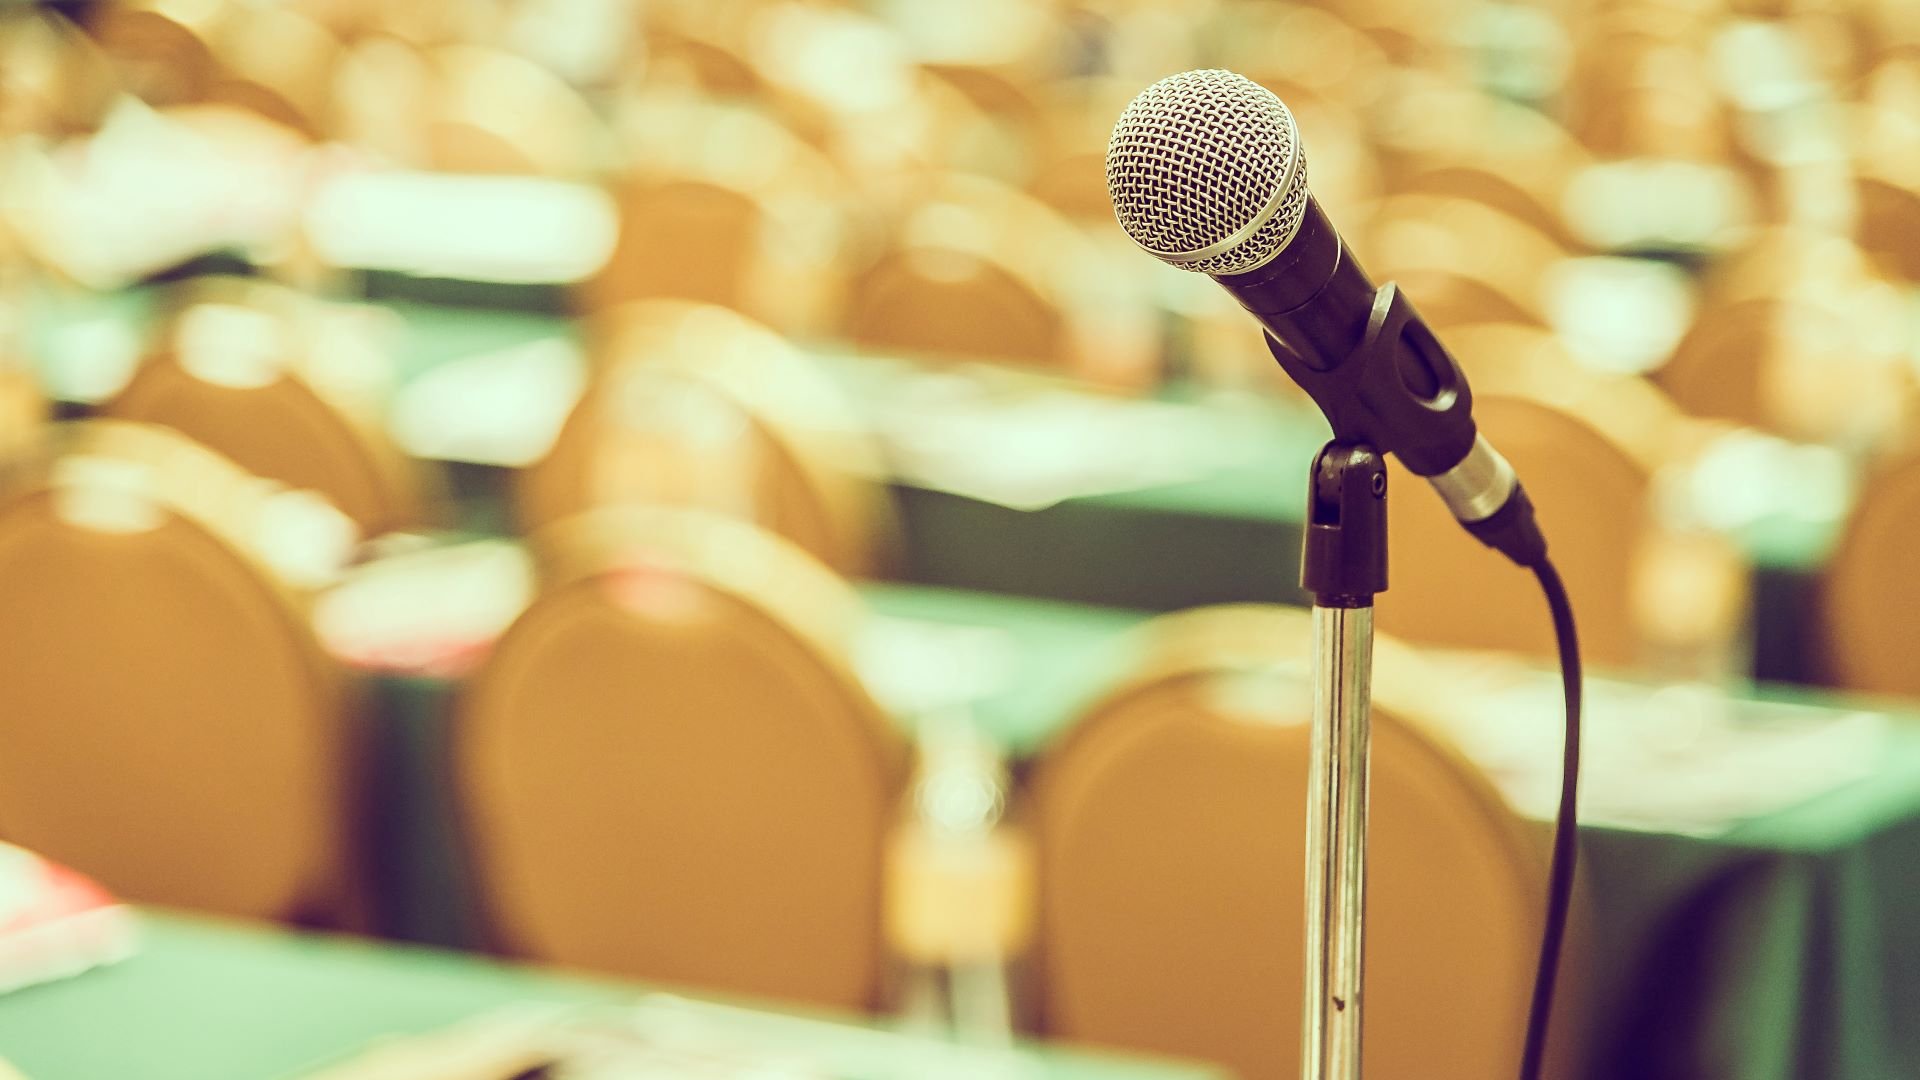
(1206, 172)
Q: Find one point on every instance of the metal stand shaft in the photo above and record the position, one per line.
(1337, 842)
(1344, 563)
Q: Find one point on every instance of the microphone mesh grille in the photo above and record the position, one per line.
(1195, 158)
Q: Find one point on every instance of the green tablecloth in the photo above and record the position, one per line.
(206, 1000)
(1785, 949)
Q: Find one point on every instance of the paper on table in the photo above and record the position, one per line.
(914, 667)
(503, 407)
(1028, 444)
(662, 1037)
(426, 611)
(516, 229)
(1677, 759)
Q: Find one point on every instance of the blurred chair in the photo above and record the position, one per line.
(695, 405)
(276, 62)
(933, 300)
(974, 269)
(1871, 591)
(161, 50)
(1593, 501)
(1460, 261)
(721, 204)
(1535, 204)
(670, 771)
(231, 375)
(1889, 224)
(381, 97)
(495, 112)
(1828, 368)
(172, 726)
(1717, 369)
(23, 409)
(1171, 829)
(58, 81)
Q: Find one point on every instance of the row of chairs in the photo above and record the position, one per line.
(668, 768)
(693, 404)
(726, 200)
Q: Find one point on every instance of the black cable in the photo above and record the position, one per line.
(1560, 871)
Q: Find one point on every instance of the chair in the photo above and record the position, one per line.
(1593, 501)
(231, 376)
(1460, 261)
(1870, 590)
(669, 771)
(977, 271)
(694, 405)
(725, 206)
(1803, 365)
(1889, 224)
(501, 113)
(172, 726)
(60, 83)
(1171, 822)
(23, 409)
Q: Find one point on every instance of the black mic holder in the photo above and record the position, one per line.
(1396, 388)
(1343, 556)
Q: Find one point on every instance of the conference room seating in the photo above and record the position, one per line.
(1170, 824)
(159, 54)
(1462, 260)
(1803, 364)
(496, 112)
(244, 370)
(669, 770)
(60, 81)
(976, 270)
(172, 726)
(23, 409)
(275, 61)
(1593, 499)
(722, 204)
(1531, 197)
(693, 404)
(1869, 636)
(381, 91)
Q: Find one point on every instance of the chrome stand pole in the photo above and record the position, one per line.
(1343, 564)
(1337, 843)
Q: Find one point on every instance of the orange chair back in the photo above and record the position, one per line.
(171, 725)
(1171, 826)
(1445, 588)
(1871, 590)
(669, 771)
(275, 423)
(694, 405)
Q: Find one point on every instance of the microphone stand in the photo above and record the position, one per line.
(1343, 564)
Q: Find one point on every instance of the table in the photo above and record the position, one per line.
(212, 1000)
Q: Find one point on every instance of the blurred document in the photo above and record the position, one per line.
(513, 229)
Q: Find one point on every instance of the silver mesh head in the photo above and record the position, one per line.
(1206, 172)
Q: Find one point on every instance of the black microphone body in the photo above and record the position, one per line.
(1363, 354)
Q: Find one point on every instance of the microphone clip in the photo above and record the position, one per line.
(1343, 556)
(1396, 388)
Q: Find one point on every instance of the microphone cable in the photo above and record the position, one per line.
(1565, 847)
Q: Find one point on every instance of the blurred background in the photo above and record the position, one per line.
(704, 495)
